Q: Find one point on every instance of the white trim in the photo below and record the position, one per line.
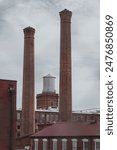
(54, 144)
(64, 144)
(64, 140)
(36, 140)
(96, 140)
(74, 144)
(74, 140)
(44, 140)
(85, 140)
(36, 144)
(44, 144)
(54, 140)
(27, 147)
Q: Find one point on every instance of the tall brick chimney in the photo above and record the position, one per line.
(65, 105)
(28, 97)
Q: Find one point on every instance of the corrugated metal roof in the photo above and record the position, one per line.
(69, 129)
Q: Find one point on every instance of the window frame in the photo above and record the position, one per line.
(74, 142)
(64, 144)
(84, 141)
(36, 143)
(54, 144)
(45, 144)
(96, 141)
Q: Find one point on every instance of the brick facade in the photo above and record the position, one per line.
(37, 144)
(46, 118)
(7, 114)
(68, 136)
(46, 100)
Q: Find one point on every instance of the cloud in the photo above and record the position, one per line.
(44, 17)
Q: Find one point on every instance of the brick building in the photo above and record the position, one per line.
(7, 114)
(45, 118)
(68, 136)
(47, 115)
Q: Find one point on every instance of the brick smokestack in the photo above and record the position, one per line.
(28, 97)
(65, 105)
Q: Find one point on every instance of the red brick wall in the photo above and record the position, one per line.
(21, 142)
(7, 114)
(41, 123)
(46, 100)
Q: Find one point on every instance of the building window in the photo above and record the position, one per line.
(27, 148)
(54, 144)
(18, 126)
(97, 144)
(78, 117)
(56, 117)
(52, 104)
(45, 144)
(42, 118)
(82, 117)
(47, 118)
(64, 144)
(85, 144)
(51, 118)
(74, 144)
(36, 144)
(18, 116)
(18, 134)
(36, 130)
(35, 120)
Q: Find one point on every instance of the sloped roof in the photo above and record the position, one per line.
(69, 129)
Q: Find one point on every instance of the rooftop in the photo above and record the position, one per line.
(69, 129)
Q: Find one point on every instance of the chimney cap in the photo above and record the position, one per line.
(29, 29)
(65, 11)
(65, 15)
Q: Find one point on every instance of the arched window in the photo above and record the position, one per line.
(74, 144)
(36, 144)
(85, 144)
(97, 144)
(54, 144)
(64, 144)
(45, 144)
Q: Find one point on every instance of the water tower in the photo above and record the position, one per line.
(48, 98)
(49, 84)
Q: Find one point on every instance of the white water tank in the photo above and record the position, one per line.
(49, 84)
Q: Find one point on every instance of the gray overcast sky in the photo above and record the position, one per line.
(43, 15)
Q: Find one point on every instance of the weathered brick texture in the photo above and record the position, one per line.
(65, 67)
(28, 104)
(7, 114)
